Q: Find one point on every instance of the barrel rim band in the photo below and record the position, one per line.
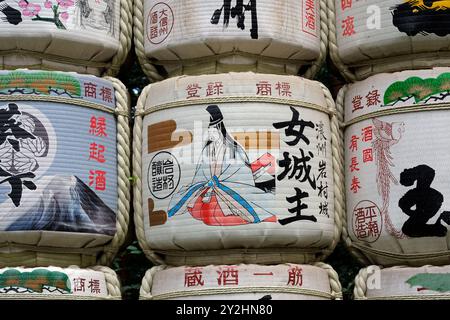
(235, 99)
(261, 251)
(401, 256)
(216, 57)
(400, 110)
(246, 289)
(73, 101)
(55, 58)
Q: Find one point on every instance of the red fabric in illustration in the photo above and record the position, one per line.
(264, 161)
(211, 213)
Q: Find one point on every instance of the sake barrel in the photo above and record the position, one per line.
(64, 168)
(242, 282)
(54, 283)
(397, 184)
(203, 37)
(86, 36)
(369, 37)
(403, 283)
(229, 169)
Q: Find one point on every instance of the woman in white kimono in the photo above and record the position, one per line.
(223, 191)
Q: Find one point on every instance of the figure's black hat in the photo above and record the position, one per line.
(216, 115)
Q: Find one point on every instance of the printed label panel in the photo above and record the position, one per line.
(218, 173)
(58, 162)
(52, 281)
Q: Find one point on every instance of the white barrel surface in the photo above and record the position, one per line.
(242, 282)
(66, 35)
(402, 33)
(53, 283)
(197, 37)
(236, 165)
(397, 181)
(403, 283)
(58, 164)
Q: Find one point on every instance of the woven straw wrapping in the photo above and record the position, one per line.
(262, 253)
(88, 37)
(221, 50)
(381, 43)
(54, 251)
(396, 119)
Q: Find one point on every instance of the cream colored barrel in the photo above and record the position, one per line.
(403, 283)
(197, 37)
(64, 168)
(369, 37)
(236, 168)
(54, 283)
(84, 36)
(396, 159)
(242, 282)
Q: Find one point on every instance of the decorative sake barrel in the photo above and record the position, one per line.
(203, 37)
(242, 282)
(235, 168)
(396, 159)
(63, 168)
(403, 283)
(54, 283)
(369, 37)
(86, 36)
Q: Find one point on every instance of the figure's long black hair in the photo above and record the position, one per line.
(228, 140)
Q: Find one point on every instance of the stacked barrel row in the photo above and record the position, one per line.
(234, 155)
(394, 113)
(64, 159)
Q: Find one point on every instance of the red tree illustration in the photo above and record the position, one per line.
(386, 135)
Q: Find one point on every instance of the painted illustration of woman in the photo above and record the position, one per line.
(223, 176)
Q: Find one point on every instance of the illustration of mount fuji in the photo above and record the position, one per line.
(60, 203)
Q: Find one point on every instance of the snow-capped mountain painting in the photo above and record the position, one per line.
(60, 203)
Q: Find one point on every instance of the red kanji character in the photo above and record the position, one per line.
(97, 178)
(97, 126)
(354, 143)
(367, 134)
(154, 17)
(284, 89)
(90, 90)
(310, 15)
(106, 94)
(228, 276)
(357, 103)
(96, 152)
(214, 89)
(264, 88)
(348, 25)
(373, 98)
(295, 276)
(153, 32)
(192, 90)
(372, 229)
(163, 22)
(79, 285)
(193, 277)
(367, 155)
(346, 4)
(354, 165)
(94, 285)
(355, 185)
